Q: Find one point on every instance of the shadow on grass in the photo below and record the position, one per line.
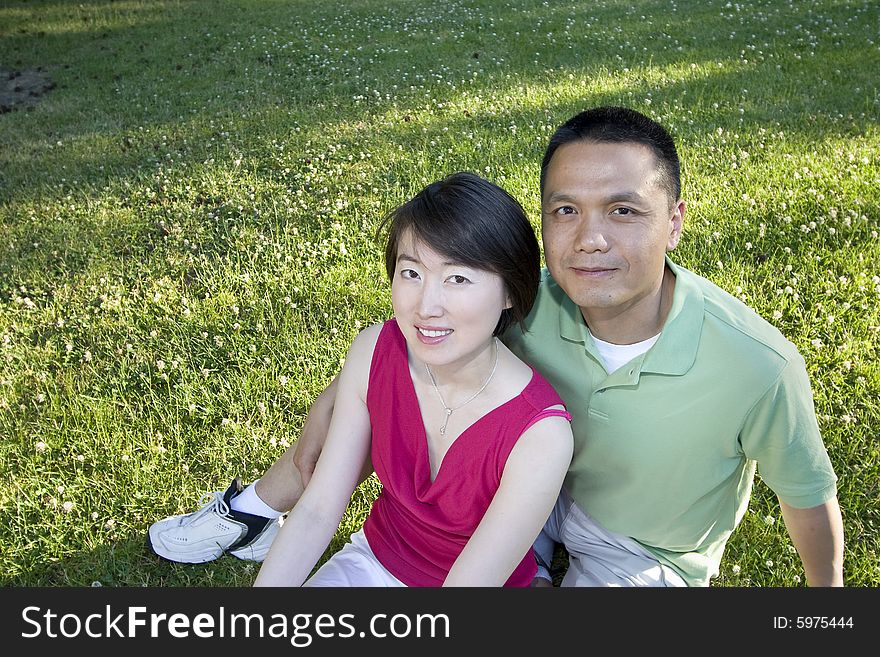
(156, 89)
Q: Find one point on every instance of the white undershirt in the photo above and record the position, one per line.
(616, 355)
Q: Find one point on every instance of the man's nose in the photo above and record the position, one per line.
(591, 235)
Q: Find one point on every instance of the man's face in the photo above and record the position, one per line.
(607, 225)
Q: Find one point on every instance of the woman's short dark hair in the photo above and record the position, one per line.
(476, 223)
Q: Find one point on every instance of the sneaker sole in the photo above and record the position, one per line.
(192, 558)
(249, 554)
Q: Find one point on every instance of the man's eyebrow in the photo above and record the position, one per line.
(558, 196)
(633, 197)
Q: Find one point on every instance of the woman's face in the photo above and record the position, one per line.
(447, 311)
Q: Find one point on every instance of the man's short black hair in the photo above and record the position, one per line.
(620, 125)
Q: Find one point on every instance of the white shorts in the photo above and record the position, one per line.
(354, 565)
(596, 556)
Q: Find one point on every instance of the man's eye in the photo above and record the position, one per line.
(565, 209)
(622, 211)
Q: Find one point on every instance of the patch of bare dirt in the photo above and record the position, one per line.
(22, 89)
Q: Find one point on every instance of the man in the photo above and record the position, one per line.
(677, 390)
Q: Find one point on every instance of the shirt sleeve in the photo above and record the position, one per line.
(782, 435)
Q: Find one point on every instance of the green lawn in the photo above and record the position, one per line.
(188, 222)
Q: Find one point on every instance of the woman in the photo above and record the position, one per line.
(470, 444)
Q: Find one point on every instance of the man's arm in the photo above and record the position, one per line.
(817, 534)
(283, 483)
(314, 433)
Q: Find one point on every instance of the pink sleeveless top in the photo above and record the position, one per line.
(416, 527)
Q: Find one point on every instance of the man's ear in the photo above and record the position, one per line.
(676, 222)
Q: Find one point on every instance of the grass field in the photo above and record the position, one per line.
(189, 194)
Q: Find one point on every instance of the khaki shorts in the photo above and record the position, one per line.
(596, 556)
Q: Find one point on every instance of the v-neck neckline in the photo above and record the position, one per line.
(424, 458)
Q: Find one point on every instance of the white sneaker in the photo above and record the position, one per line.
(213, 530)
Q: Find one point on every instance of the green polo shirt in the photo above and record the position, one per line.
(667, 446)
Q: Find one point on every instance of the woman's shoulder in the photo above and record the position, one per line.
(365, 341)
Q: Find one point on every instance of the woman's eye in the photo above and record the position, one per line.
(459, 280)
(408, 273)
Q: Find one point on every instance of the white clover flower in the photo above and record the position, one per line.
(67, 507)
(769, 563)
(736, 567)
(41, 446)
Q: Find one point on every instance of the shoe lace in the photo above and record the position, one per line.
(212, 503)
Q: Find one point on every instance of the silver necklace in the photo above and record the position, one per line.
(472, 398)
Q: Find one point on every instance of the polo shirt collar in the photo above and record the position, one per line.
(676, 350)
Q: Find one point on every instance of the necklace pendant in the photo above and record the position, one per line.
(445, 422)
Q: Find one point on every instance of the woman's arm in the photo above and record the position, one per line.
(528, 490)
(315, 518)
